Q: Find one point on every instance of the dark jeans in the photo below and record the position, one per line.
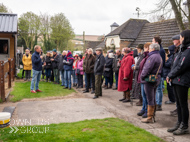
(109, 80)
(98, 85)
(80, 80)
(90, 76)
(56, 75)
(150, 91)
(23, 73)
(171, 95)
(181, 94)
(48, 73)
(27, 74)
(116, 79)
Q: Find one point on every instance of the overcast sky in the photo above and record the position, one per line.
(92, 16)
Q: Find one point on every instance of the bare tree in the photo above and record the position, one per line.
(178, 8)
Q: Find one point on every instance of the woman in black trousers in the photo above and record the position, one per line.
(180, 78)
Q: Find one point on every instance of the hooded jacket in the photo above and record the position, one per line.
(68, 61)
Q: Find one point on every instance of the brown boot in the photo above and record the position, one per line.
(151, 113)
(106, 87)
(139, 103)
(127, 93)
(124, 97)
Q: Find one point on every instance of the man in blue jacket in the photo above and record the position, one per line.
(159, 92)
(36, 69)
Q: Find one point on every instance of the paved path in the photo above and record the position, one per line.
(82, 106)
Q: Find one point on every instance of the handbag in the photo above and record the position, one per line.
(152, 78)
(78, 71)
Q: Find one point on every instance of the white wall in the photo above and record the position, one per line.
(116, 41)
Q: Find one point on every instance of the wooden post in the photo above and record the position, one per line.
(2, 86)
(13, 67)
(10, 73)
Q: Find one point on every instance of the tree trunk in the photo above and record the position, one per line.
(188, 5)
(178, 16)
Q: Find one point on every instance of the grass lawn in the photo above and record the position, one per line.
(21, 90)
(104, 130)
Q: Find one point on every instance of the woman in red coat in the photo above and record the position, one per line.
(126, 74)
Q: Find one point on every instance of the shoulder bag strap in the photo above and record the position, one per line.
(159, 68)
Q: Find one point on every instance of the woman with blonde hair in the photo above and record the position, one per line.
(27, 63)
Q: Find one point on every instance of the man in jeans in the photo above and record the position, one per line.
(98, 71)
(36, 69)
(60, 67)
(159, 92)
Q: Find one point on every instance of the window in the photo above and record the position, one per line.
(4, 46)
(112, 42)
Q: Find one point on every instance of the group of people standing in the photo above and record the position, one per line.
(138, 75)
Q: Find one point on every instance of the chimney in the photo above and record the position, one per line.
(114, 26)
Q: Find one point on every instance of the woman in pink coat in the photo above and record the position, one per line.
(126, 74)
(79, 71)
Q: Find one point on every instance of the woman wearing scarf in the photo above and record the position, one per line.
(152, 66)
(68, 66)
(179, 76)
(136, 91)
(143, 112)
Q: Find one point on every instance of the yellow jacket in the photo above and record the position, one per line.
(27, 62)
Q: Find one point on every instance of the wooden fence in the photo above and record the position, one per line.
(7, 76)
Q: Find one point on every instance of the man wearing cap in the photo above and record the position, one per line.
(176, 42)
(98, 71)
(55, 64)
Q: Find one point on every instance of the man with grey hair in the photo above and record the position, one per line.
(36, 69)
(116, 66)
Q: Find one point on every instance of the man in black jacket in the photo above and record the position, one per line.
(60, 66)
(98, 71)
(55, 63)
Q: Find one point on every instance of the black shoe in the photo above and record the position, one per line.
(115, 88)
(126, 100)
(173, 113)
(158, 108)
(86, 91)
(69, 88)
(95, 97)
(140, 113)
(169, 102)
(92, 92)
(122, 99)
(65, 87)
(183, 129)
(100, 95)
(174, 128)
